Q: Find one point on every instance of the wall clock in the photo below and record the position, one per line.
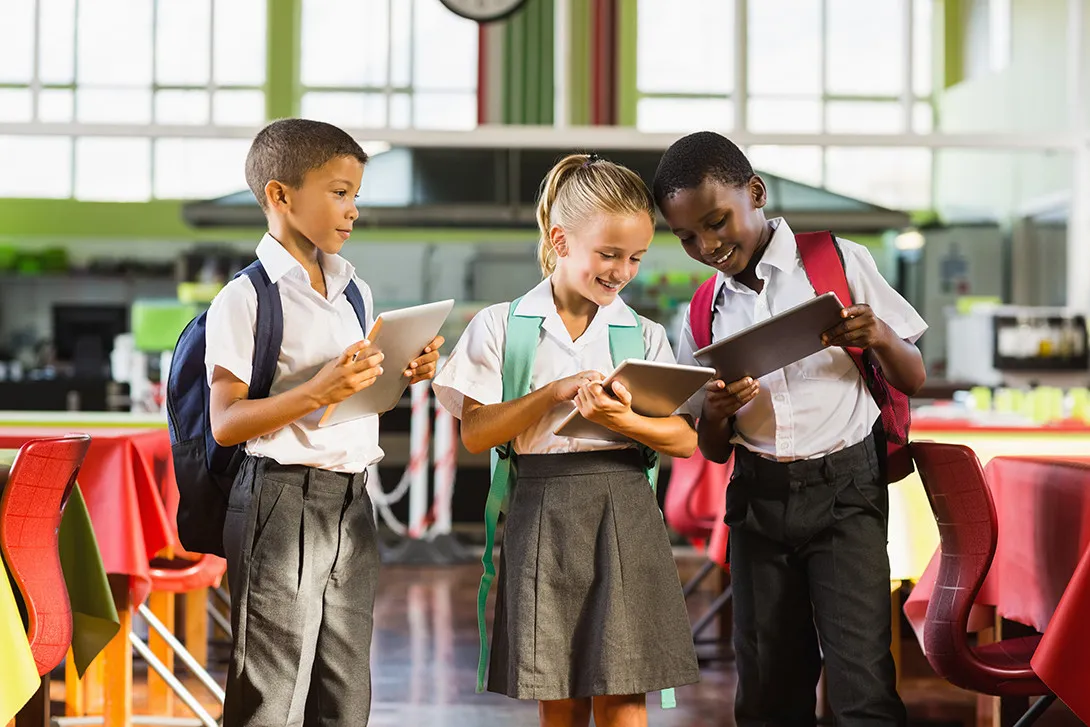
(483, 11)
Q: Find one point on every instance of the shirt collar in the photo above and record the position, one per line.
(539, 303)
(781, 254)
(278, 262)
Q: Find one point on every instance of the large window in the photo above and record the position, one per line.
(684, 66)
(812, 67)
(132, 63)
(413, 65)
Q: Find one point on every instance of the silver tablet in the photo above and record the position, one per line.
(658, 390)
(774, 343)
(402, 336)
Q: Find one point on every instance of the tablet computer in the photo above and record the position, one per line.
(774, 343)
(401, 336)
(658, 389)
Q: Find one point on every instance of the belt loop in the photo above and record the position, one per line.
(306, 482)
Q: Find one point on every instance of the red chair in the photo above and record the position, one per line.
(695, 496)
(968, 533)
(694, 503)
(694, 508)
(41, 478)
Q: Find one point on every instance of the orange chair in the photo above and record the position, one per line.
(40, 481)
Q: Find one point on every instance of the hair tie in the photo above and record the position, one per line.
(591, 158)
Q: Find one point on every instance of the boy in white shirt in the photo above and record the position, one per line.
(807, 503)
(300, 535)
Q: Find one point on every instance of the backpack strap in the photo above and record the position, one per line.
(352, 292)
(626, 342)
(519, 352)
(268, 330)
(700, 313)
(823, 261)
(824, 266)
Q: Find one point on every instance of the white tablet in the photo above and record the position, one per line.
(658, 390)
(401, 336)
(774, 343)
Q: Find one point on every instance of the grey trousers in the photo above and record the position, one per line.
(303, 563)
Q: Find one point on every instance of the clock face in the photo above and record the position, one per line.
(483, 11)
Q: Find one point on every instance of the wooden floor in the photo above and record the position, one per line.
(425, 654)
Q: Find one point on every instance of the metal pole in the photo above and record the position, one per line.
(562, 64)
(182, 652)
(1078, 224)
(168, 676)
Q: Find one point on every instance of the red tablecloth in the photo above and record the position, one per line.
(1041, 572)
(123, 479)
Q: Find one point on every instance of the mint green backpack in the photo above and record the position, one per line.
(520, 350)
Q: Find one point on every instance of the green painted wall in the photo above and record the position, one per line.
(953, 42)
(528, 84)
(627, 36)
(284, 37)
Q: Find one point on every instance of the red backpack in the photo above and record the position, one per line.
(824, 265)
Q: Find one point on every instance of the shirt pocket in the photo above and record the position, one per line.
(830, 364)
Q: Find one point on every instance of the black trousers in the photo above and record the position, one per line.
(303, 566)
(809, 566)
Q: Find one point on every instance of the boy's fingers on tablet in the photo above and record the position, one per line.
(435, 344)
(366, 363)
(352, 352)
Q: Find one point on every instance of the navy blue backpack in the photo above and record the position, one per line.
(204, 469)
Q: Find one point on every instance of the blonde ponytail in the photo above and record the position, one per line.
(579, 186)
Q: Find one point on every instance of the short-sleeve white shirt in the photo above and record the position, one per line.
(475, 366)
(316, 330)
(820, 404)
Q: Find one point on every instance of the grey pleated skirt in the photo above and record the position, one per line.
(588, 601)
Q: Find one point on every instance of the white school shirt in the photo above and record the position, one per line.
(475, 366)
(820, 404)
(316, 330)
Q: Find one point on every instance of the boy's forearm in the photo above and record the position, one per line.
(673, 435)
(244, 419)
(489, 426)
(901, 363)
(713, 438)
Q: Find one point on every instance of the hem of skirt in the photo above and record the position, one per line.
(646, 686)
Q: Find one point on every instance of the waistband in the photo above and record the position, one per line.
(777, 477)
(581, 463)
(299, 475)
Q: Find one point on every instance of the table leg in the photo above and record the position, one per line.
(160, 695)
(196, 625)
(118, 701)
(74, 701)
(94, 686)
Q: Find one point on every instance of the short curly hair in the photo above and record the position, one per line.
(694, 158)
(287, 149)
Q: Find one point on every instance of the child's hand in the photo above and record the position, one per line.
(722, 400)
(355, 369)
(597, 405)
(565, 389)
(861, 329)
(422, 367)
